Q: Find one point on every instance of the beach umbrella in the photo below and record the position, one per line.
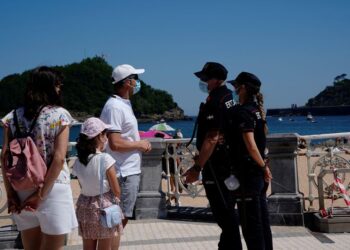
(162, 127)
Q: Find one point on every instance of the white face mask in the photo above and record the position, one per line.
(105, 145)
(203, 86)
(235, 97)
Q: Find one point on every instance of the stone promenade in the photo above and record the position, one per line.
(171, 234)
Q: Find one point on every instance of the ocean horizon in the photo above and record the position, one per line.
(291, 124)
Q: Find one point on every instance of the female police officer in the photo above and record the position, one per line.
(249, 141)
(212, 141)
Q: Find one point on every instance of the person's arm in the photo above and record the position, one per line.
(117, 143)
(113, 181)
(208, 146)
(60, 149)
(253, 151)
(12, 198)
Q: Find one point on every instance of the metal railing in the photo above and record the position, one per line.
(324, 152)
(177, 158)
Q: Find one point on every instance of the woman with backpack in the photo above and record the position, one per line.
(249, 144)
(99, 185)
(44, 213)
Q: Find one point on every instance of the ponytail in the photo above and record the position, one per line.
(260, 102)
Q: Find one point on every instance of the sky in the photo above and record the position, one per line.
(296, 47)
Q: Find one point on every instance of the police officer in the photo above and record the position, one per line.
(213, 160)
(248, 150)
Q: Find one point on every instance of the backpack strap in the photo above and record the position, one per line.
(18, 132)
(36, 118)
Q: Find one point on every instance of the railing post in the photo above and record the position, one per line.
(285, 202)
(150, 203)
(310, 176)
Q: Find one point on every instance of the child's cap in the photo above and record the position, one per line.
(93, 127)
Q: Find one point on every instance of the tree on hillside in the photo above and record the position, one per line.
(336, 95)
(339, 78)
(87, 86)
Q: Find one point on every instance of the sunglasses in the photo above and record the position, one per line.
(133, 77)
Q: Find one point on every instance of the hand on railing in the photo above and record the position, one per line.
(192, 174)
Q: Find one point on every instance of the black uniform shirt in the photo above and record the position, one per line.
(214, 116)
(247, 118)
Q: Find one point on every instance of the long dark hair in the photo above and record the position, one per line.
(85, 147)
(253, 94)
(41, 90)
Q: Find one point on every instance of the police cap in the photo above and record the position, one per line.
(246, 78)
(212, 70)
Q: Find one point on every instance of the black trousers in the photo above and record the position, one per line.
(253, 213)
(222, 205)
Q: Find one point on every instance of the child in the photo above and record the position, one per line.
(91, 142)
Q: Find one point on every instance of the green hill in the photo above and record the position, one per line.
(87, 85)
(336, 95)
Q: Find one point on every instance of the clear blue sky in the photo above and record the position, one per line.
(295, 47)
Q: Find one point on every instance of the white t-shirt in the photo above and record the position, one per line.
(89, 175)
(118, 113)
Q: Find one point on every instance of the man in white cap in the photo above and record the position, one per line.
(124, 140)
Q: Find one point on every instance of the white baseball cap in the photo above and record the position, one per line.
(123, 71)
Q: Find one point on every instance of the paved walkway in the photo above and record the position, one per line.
(171, 234)
(174, 234)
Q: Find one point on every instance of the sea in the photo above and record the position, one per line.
(291, 124)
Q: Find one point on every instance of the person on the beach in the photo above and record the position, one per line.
(248, 150)
(212, 144)
(124, 140)
(46, 214)
(178, 134)
(91, 142)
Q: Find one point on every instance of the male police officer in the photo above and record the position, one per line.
(212, 143)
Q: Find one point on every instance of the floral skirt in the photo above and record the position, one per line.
(88, 215)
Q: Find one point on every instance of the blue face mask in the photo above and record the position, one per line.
(137, 87)
(235, 97)
(203, 86)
